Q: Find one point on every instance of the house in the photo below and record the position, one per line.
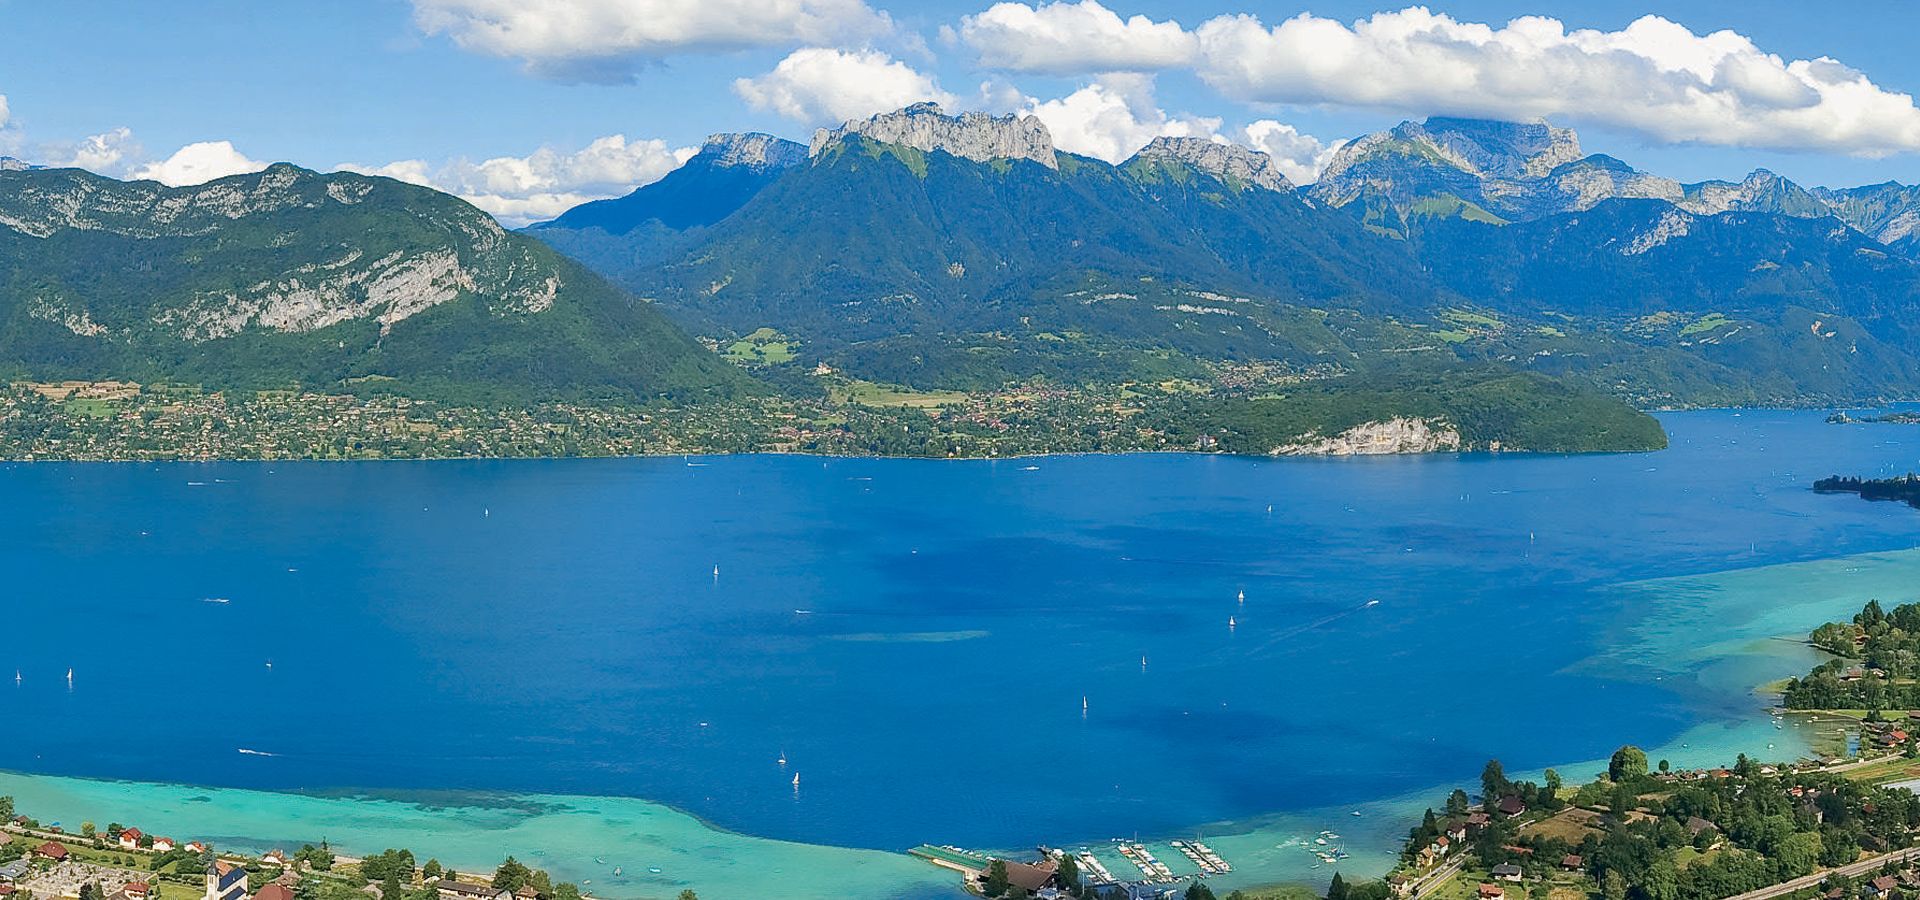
(163, 845)
(226, 881)
(13, 871)
(1881, 887)
(130, 839)
(1572, 862)
(1400, 885)
(461, 890)
(1492, 892)
(275, 891)
(1031, 877)
(51, 850)
(1478, 820)
(1696, 825)
(1506, 872)
(274, 858)
(196, 847)
(1456, 832)
(1511, 805)
(136, 890)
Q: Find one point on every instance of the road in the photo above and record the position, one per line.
(1866, 865)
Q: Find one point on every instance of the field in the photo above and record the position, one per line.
(869, 393)
(765, 347)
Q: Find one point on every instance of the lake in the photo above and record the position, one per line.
(991, 653)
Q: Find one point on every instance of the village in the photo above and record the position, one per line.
(46, 862)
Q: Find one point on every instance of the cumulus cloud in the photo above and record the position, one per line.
(1114, 117)
(199, 163)
(1300, 157)
(1655, 77)
(112, 153)
(6, 112)
(821, 86)
(610, 40)
(1067, 38)
(522, 189)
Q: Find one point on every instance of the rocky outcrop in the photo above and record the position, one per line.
(1230, 163)
(974, 135)
(753, 150)
(1397, 435)
(9, 164)
(255, 222)
(1585, 182)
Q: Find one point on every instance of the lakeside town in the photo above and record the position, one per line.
(45, 861)
(126, 421)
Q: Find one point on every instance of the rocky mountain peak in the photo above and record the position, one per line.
(1478, 147)
(1504, 149)
(1228, 162)
(975, 135)
(753, 150)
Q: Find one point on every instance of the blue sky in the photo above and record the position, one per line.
(423, 89)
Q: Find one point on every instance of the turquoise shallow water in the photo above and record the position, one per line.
(916, 637)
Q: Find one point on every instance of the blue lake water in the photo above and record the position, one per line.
(915, 637)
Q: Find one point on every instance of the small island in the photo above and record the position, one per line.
(1904, 488)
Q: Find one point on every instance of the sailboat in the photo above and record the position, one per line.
(783, 757)
(69, 678)
(1231, 623)
(1243, 598)
(1083, 703)
(1143, 662)
(16, 677)
(796, 779)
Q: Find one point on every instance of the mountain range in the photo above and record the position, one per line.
(943, 250)
(289, 277)
(940, 251)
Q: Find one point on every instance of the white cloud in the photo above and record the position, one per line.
(1067, 38)
(610, 40)
(199, 163)
(1114, 117)
(821, 86)
(1655, 78)
(112, 153)
(6, 112)
(523, 189)
(1299, 156)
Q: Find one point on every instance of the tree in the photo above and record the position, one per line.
(1337, 890)
(512, 876)
(1199, 891)
(1629, 763)
(392, 889)
(997, 882)
(566, 890)
(1623, 801)
(1069, 872)
(688, 894)
(1613, 886)
(1493, 782)
(432, 869)
(307, 888)
(1553, 782)
(1457, 803)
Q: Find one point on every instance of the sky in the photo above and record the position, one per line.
(527, 107)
